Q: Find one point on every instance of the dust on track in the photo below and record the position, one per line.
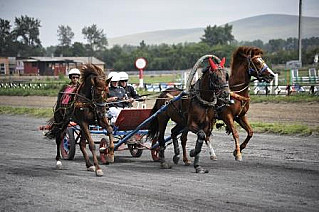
(278, 173)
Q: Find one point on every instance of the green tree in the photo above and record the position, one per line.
(276, 45)
(65, 35)
(5, 37)
(27, 32)
(218, 35)
(257, 43)
(96, 38)
(26, 37)
(79, 50)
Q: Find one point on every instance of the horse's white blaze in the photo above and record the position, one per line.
(264, 64)
(58, 165)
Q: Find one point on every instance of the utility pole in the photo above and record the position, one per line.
(299, 30)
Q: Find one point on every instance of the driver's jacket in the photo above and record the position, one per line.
(121, 94)
(131, 93)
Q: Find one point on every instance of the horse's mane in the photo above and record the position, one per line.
(241, 53)
(89, 69)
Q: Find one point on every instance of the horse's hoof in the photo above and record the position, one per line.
(110, 158)
(201, 170)
(238, 158)
(166, 165)
(176, 159)
(58, 165)
(192, 153)
(91, 168)
(213, 157)
(187, 162)
(99, 173)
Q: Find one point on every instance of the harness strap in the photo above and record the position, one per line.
(243, 104)
(82, 105)
(202, 101)
(239, 97)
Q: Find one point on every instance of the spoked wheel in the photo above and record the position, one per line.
(134, 150)
(68, 144)
(104, 149)
(155, 151)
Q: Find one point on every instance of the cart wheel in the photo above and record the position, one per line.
(68, 144)
(135, 152)
(155, 152)
(103, 150)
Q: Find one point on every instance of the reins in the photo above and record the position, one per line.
(250, 68)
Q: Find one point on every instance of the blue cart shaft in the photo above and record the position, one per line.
(167, 139)
(146, 121)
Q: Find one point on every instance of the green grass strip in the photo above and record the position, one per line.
(35, 112)
(284, 129)
(259, 127)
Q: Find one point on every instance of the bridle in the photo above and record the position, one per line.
(215, 89)
(251, 69)
(97, 100)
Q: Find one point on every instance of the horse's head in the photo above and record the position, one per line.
(218, 76)
(257, 66)
(97, 87)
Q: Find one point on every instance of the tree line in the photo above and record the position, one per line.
(22, 40)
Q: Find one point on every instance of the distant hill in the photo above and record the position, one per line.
(263, 27)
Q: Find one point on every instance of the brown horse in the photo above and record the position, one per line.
(88, 107)
(194, 113)
(247, 62)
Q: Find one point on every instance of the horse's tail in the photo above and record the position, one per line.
(53, 129)
(57, 124)
(153, 125)
(162, 100)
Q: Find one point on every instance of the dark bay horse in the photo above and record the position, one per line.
(88, 107)
(194, 113)
(247, 62)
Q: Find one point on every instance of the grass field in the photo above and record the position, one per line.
(259, 127)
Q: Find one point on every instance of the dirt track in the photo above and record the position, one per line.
(265, 112)
(278, 173)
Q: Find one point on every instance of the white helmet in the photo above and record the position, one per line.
(123, 75)
(115, 76)
(74, 71)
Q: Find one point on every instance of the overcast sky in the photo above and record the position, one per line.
(124, 17)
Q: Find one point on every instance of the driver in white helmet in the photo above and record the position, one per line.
(68, 90)
(117, 99)
(129, 90)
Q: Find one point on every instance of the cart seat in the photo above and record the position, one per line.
(129, 119)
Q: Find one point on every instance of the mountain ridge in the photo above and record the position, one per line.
(262, 27)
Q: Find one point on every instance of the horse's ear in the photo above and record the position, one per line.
(222, 63)
(212, 64)
(108, 80)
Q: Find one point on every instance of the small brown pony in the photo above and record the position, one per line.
(247, 62)
(194, 113)
(88, 107)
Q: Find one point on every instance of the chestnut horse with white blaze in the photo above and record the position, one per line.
(247, 62)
